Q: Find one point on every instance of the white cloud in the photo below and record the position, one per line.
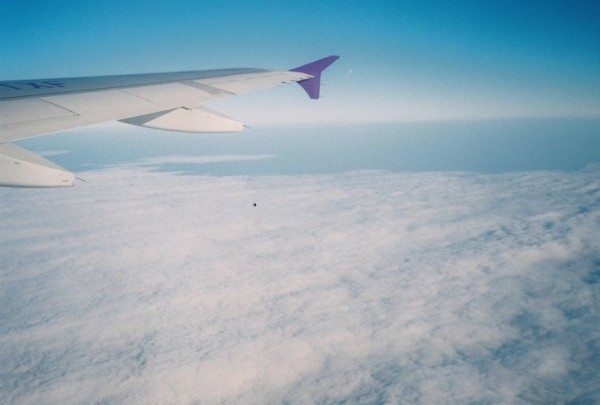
(203, 159)
(54, 152)
(367, 287)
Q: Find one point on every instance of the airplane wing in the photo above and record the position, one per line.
(170, 101)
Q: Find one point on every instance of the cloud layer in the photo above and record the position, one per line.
(367, 287)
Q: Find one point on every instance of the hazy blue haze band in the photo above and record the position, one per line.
(478, 146)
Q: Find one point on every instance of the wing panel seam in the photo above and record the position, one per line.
(56, 105)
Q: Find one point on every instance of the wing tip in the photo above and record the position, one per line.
(312, 86)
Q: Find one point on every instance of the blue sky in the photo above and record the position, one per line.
(401, 60)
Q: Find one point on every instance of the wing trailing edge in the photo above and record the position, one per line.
(187, 120)
(21, 168)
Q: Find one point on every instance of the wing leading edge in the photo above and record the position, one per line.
(170, 101)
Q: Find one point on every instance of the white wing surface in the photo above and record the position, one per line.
(171, 101)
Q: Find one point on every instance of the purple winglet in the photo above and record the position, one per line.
(313, 85)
